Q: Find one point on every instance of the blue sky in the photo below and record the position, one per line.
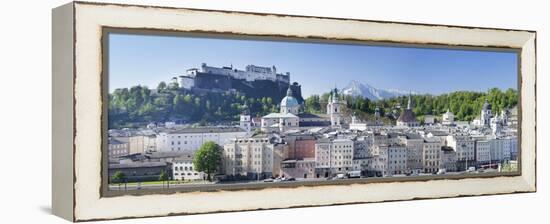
(148, 60)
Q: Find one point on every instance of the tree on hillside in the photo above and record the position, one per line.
(161, 87)
(137, 105)
(208, 158)
(313, 104)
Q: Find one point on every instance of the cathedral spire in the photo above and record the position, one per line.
(409, 106)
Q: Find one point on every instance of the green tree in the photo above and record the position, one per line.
(179, 104)
(163, 176)
(312, 104)
(173, 86)
(119, 177)
(208, 158)
(161, 87)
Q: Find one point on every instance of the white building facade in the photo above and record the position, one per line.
(483, 151)
(191, 139)
(397, 160)
(184, 170)
(464, 147)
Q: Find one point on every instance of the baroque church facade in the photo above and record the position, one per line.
(290, 116)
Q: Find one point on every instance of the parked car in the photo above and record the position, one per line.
(340, 176)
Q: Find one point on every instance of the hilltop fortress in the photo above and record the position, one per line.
(254, 81)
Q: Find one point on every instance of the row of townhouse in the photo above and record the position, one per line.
(482, 150)
(307, 156)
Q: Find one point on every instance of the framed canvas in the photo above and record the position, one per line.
(170, 111)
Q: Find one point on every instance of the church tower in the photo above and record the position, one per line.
(409, 103)
(486, 114)
(245, 121)
(504, 117)
(333, 108)
(377, 120)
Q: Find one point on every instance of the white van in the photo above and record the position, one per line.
(354, 174)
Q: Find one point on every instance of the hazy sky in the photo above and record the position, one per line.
(147, 60)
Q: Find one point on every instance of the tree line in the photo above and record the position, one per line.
(466, 105)
(138, 105)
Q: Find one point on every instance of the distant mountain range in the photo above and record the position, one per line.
(355, 88)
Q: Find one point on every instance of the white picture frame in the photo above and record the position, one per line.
(78, 110)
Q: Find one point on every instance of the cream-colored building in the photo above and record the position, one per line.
(118, 146)
(333, 156)
(141, 144)
(431, 154)
(414, 144)
(251, 157)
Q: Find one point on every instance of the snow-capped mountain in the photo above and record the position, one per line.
(356, 88)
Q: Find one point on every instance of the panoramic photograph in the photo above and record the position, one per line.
(198, 111)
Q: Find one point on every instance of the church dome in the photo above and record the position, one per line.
(289, 100)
